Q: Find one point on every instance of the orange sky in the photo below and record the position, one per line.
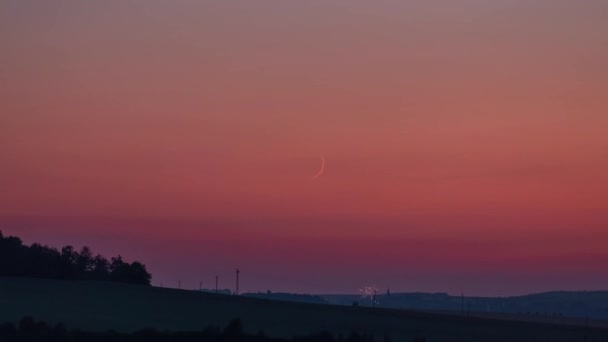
(475, 128)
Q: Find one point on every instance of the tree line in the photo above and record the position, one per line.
(29, 329)
(41, 261)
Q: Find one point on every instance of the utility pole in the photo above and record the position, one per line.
(374, 298)
(216, 279)
(200, 286)
(179, 284)
(237, 281)
(462, 302)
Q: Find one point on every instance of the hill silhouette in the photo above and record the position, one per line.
(288, 297)
(580, 304)
(46, 286)
(100, 306)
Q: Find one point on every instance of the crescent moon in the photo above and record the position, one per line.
(322, 167)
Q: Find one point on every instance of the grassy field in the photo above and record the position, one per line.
(102, 306)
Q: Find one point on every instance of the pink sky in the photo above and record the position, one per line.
(465, 141)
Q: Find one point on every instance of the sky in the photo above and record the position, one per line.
(464, 141)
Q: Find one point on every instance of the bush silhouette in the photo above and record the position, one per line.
(234, 328)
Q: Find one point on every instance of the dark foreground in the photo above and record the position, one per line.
(30, 330)
(97, 307)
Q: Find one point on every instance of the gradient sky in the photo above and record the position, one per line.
(465, 141)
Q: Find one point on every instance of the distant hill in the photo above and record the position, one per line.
(582, 304)
(99, 306)
(288, 297)
(219, 291)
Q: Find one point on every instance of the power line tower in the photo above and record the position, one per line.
(237, 281)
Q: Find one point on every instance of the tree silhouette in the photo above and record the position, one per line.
(11, 255)
(29, 329)
(100, 268)
(17, 259)
(84, 260)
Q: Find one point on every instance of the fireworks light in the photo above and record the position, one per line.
(369, 292)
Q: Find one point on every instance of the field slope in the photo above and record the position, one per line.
(103, 306)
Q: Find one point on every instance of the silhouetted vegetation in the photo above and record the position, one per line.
(30, 330)
(17, 259)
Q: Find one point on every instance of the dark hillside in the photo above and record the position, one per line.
(98, 306)
(576, 304)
